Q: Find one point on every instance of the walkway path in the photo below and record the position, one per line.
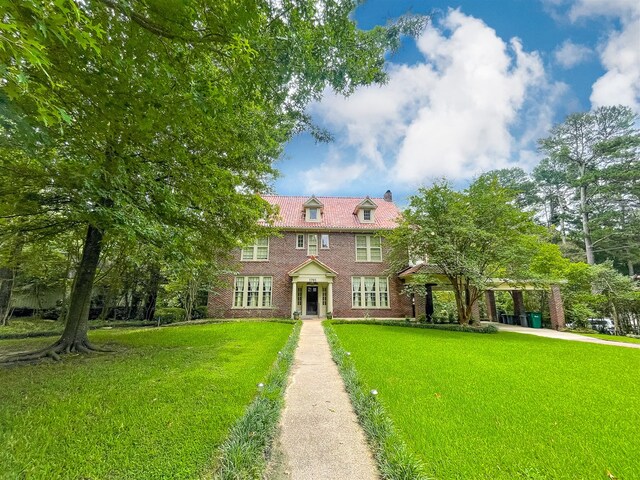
(320, 437)
(545, 332)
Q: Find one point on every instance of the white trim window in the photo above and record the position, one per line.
(324, 241)
(312, 244)
(259, 251)
(252, 292)
(299, 241)
(368, 248)
(370, 292)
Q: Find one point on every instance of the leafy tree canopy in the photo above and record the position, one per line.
(470, 237)
(173, 116)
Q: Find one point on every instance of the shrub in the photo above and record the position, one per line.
(199, 312)
(169, 315)
(51, 314)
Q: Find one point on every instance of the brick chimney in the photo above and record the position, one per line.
(388, 197)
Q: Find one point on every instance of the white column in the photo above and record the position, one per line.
(330, 297)
(294, 296)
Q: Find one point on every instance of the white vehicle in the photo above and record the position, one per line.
(603, 325)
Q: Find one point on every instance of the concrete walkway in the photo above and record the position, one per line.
(545, 332)
(320, 437)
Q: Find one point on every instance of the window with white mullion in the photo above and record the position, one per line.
(368, 248)
(257, 251)
(312, 244)
(370, 292)
(238, 298)
(252, 292)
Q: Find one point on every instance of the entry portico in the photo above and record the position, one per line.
(312, 288)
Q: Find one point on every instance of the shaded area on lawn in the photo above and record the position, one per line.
(157, 408)
(506, 405)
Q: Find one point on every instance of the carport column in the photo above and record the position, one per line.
(330, 297)
(490, 299)
(556, 309)
(294, 296)
(518, 306)
(428, 306)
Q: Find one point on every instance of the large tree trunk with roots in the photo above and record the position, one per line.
(74, 338)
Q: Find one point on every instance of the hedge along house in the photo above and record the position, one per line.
(328, 259)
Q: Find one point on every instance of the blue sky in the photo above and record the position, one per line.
(474, 92)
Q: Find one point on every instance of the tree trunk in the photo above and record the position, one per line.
(77, 322)
(588, 245)
(630, 266)
(7, 282)
(616, 319)
(6, 289)
(152, 293)
(74, 338)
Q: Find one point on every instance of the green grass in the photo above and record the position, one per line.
(504, 406)
(36, 326)
(159, 407)
(612, 338)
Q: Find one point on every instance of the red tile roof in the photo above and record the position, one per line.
(337, 213)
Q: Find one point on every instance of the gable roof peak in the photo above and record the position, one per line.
(313, 202)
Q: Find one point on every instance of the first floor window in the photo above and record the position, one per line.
(252, 292)
(370, 292)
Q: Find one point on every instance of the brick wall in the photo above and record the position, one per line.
(284, 257)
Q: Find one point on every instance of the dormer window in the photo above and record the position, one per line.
(313, 210)
(366, 210)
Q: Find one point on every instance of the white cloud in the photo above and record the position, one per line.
(570, 54)
(619, 54)
(450, 115)
(332, 175)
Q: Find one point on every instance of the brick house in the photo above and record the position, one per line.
(328, 258)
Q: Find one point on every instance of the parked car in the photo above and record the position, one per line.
(603, 325)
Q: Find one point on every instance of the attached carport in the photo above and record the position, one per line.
(439, 282)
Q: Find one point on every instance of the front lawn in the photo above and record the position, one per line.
(158, 407)
(504, 406)
(612, 338)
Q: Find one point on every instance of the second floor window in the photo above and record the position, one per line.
(324, 241)
(368, 248)
(257, 251)
(312, 244)
(300, 240)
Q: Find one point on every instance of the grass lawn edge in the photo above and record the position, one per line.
(245, 453)
(451, 327)
(395, 460)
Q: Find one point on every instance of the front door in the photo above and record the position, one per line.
(312, 300)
